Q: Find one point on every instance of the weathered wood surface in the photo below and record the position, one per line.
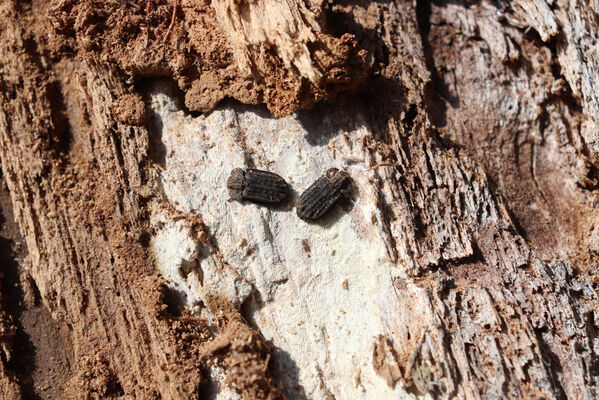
(465, 267)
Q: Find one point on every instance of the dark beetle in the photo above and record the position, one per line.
(318, 199)
(257, 186)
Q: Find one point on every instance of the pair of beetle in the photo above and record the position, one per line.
(269, 188)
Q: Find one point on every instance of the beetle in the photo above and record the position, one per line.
(322, 195)
(257, 186)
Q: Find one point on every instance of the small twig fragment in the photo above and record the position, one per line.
(385, 164)
(173, 18)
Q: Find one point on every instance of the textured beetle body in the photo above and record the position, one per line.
(257, 186)
(322, 195)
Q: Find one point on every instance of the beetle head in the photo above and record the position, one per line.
(339, 179)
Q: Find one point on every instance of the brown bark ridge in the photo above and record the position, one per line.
(482, 118)
(75, 175)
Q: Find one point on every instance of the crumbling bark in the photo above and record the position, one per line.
(472, 143)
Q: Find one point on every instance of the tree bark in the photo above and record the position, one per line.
(462, 266)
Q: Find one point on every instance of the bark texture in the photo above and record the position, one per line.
(465, 267)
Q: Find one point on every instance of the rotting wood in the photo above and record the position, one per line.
(75, 176)
(482, 149)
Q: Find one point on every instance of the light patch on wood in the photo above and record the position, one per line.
(320, 327)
